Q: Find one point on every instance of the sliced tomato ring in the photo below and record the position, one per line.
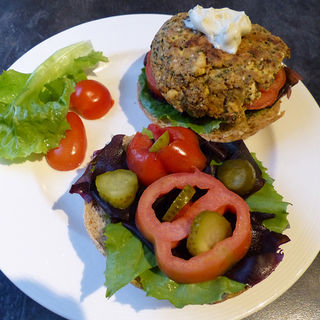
(268, 97)
(166, 235)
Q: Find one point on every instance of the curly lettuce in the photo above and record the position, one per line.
(33, 107)
(268, 200)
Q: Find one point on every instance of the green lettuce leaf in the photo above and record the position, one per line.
(159, 286)
(11, 83)
(164, 111)
(127, 259)
(268, 200)
(33, 107)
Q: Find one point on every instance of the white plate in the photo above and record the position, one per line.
(45, 250)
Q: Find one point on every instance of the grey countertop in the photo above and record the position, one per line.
(25, 23)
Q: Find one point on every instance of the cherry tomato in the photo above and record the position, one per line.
(91, 99)
(183, 154)
(152, 86)
(145, 164)
(268, 97)
(166, 235)
(71, 151)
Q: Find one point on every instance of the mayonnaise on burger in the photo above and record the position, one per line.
(223, 27)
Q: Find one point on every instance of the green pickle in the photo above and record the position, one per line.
(118, 187)
(179, 202)
(161, 142)
(207, 229)
(237, 175)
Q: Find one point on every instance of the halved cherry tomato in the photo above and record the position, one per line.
(91, 99)
(268, 97)
(151, 83)
(183, 154)
(71, 151)
(166, 235)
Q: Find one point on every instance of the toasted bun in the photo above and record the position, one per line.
(248, 126)
(95, 222)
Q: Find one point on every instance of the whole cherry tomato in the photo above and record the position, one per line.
(91, 99)
(71, 151)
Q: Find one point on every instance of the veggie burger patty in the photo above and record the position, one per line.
(201, 80)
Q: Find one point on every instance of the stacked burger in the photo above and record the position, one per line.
(226, 89)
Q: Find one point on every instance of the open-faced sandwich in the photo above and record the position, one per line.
(213, 71)
(185, 219)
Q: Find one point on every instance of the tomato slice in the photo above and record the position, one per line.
(268, 97)
(166, 235)
(151, 83)
(71, 151)
(91, 99)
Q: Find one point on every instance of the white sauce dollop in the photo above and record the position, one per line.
(223, 27)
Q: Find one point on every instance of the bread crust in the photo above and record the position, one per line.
(95, 222)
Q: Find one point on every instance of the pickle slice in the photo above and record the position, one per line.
(179, 202)
(118, 187)
(207, 229)
(161, 142)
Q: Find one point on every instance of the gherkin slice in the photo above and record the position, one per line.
(179, 202)
(207, 228)
(161, 142)
(118, 187)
